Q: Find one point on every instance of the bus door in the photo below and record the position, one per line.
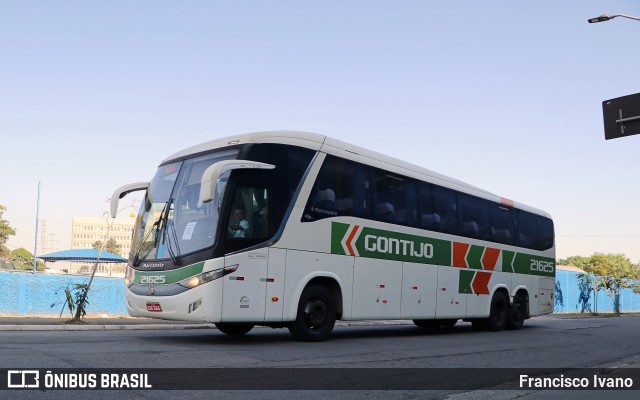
(275, 285)
(247, 225)
(244, 290)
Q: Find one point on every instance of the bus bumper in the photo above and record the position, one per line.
(200, 304)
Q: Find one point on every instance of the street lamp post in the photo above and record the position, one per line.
(607, 17)
(617, 121)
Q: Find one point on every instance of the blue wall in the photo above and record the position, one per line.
(28, 294)
(570, 297)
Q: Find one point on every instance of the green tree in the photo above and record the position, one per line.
(78, 305)
(112, 246)
(612, 272)
(5, 232)
(576, 261)
(23, 259)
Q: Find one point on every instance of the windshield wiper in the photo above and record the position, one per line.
(166, 222)
(154, 227)
(173, 235)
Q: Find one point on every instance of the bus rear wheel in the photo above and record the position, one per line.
(234, 329)
(499, 313)
(316, 315)
(517, 312)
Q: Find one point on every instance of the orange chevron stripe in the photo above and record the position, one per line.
(460, 254)
(490, 258)
(350, 239)
(480, 282)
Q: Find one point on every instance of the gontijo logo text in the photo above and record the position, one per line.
(368, 242)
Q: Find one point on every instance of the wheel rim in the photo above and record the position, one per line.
(315, 313)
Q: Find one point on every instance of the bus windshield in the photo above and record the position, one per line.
(172, 221)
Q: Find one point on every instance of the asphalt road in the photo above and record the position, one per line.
(544, 342)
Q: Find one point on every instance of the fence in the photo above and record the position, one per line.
(572, 297)
(43, 295)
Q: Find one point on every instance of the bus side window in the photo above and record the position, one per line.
(341, 189)
(545, 233)
(444, 204)
(260, 214)
(527, 230)
(394, 196)
(325, 199)
(384, 192)
(429, 218)
(323, 203)
(474, 221)
(501, 224)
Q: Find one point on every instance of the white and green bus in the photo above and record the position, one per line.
(298, 230)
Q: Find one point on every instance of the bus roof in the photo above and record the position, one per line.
(339, 148)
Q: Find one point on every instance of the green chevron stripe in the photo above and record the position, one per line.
(466, 277)
(338, 232)
(507, 260)
(474, 257)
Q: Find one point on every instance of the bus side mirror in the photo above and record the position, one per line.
(210, 176)
(123, 191)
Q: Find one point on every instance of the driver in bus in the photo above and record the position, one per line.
(238, 226)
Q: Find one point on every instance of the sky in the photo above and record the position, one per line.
(505, 95)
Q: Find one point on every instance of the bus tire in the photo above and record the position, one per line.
(233, 329)
(517, 312)
(499, 313)
(316, 315)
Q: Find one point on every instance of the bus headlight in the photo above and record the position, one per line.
(205, 277)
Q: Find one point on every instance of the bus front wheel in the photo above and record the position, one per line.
(234, 329)
(316, 315)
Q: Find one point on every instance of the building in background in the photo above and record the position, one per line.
(85, 231)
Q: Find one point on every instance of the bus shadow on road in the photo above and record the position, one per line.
(264, 335)
(378, 331)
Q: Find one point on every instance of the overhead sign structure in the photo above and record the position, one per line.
(621, 116)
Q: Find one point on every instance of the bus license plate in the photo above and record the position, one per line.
(154, 307)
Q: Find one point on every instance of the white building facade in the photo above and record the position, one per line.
(85, 231)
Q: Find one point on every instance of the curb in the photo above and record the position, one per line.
(183, 326)
(139, 327)
(103, 327)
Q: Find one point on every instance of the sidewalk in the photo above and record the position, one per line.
(34, 323)
(96, 323)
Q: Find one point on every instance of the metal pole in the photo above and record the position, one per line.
(35, 246)
(626, 16)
